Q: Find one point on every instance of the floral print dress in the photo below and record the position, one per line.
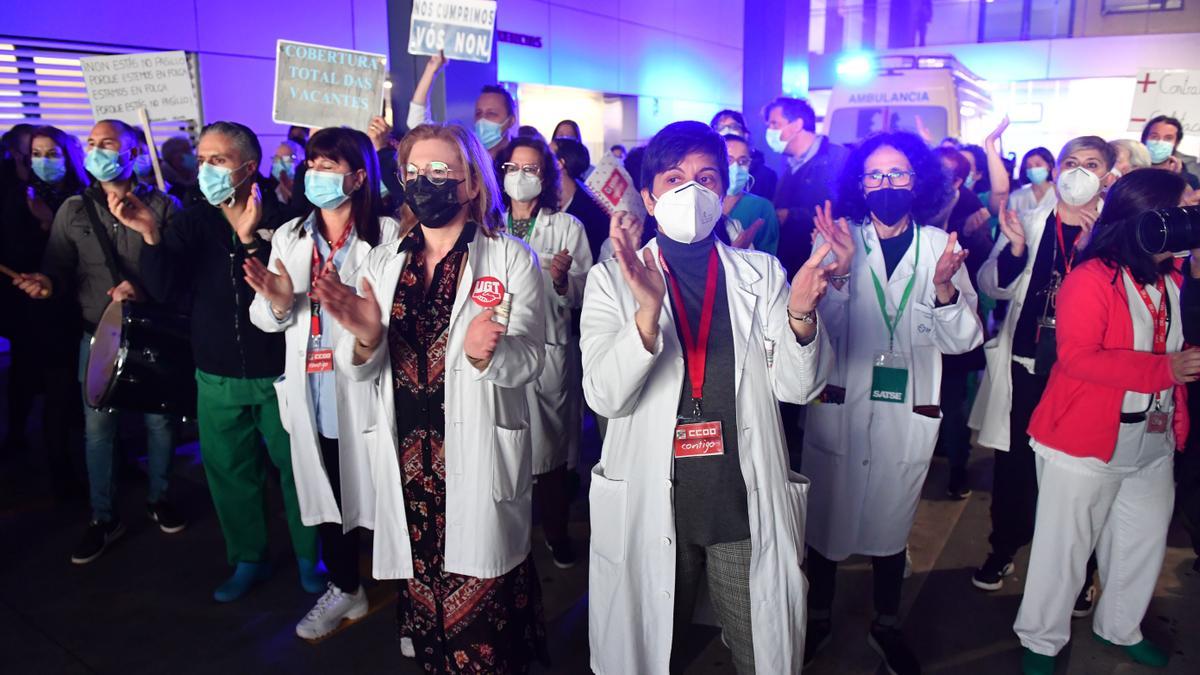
(458, 624)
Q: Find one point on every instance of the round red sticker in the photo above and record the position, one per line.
(488, 292)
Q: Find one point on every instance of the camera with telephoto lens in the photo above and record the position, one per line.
(1173, 230)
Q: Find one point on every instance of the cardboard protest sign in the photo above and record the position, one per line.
(463, 29)
(121, 84)
(319, 87)
(613, 188)
(1175, 93)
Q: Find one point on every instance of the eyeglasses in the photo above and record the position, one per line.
(894, 178)
(437, 172)
(743, 161)
(527, 169)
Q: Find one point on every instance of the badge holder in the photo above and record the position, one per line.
(1157, 420)
(889, 377)
(697, 437)
(319, 360)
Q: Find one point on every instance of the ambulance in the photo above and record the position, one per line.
(934, 96)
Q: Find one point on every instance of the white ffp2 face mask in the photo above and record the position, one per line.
(1077, 186)
(521, 186)
(687, 213)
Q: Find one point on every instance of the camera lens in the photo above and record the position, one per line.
(1171, 230)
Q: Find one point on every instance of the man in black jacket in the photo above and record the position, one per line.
(200, 257)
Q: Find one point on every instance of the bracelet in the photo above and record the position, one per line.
(809, 317)
(839, 277)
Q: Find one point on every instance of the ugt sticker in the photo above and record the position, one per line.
(488, 292)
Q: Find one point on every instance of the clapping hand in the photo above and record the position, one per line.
(947, 266)
(838, 235)
(277, 288)
(559, 266)
(358, 314)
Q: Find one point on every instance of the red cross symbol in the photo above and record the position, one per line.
(1146, 82)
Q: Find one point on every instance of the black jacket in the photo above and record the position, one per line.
(198, 265)
(800, 191)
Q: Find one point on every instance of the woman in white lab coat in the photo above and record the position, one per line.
(899, 299)
(530, 176)
(448, 427)
(664, 507)
(317, 403)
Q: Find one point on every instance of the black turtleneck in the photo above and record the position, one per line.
(710, 493)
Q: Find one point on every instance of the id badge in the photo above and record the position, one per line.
(1157, 422)
(698, 439)
(889, 378)
(320, 360)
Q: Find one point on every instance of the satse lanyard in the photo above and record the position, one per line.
(696, 347)
(894, 321)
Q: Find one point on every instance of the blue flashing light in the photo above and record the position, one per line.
(856, 67)
(795, 78)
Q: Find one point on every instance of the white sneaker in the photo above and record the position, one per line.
(407, 649)
(329, 611)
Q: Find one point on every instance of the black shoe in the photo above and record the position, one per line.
(990, 577)
(96, 538)
(1086, 602)
(817, 636)
(563, 554)
(166, 516)
(957, 489)
(888, 642)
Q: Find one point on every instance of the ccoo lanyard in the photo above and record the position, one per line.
(696, 347)
(1160, 315)
(893, 322)
(319, 270)
(1068, 258)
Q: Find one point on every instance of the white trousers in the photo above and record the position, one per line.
(1123, 517)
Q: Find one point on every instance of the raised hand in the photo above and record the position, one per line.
(436, 62)
(380, 132)
(358, 314)
(483, 335)
(838, 236)
(1010, 225)
(810, 282)
(992, 143)
(642, 275)
(947, 265)
(277, 288)
(134, 214)
(247, 222)
(559, 266)
(1185, 366)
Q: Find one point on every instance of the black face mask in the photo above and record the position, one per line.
(433, 205)
(889, 205)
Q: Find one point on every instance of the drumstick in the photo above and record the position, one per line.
(5, 269)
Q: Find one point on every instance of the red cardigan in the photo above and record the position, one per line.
(1080, 413)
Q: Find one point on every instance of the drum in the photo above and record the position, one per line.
(141, 360)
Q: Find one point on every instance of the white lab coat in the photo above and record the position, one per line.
(487, 446)
(632, 562)
(867, 460)
(993, 404)
(550, 406)
(294, 247)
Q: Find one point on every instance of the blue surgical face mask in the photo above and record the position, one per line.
(106, 165)
(489, 132)
(739, 176)
(216, 182)
(1037, 174)
(281, 165)
(324, 189)
(969, 183)
(1160, 150)
(142, 167)
(49, 169)
(775, 140)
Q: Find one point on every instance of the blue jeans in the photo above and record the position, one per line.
(100, 432)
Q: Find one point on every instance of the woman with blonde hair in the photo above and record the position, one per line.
(449, 329)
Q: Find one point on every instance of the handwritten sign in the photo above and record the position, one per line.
(121, 84)
(1175, 93)
(613, 189)
(460, 28)
(318, 86)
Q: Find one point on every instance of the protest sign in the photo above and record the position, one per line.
(121, 84)
(460, 28)
(319, 87)
(613, 188)
(1175, 93)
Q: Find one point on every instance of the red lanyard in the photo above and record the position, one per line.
(697, 349)
(1062, 246)
(319, 270)
(1159, 315)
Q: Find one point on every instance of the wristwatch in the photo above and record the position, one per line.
(807, 317)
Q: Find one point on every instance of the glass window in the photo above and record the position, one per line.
(850, 125)
(1125, 6)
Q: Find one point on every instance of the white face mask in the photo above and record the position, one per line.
(775, 140)
(521, 186)
(687, 213)
(1078, 186)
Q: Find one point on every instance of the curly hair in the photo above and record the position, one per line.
(932, 189)
(551, 194)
